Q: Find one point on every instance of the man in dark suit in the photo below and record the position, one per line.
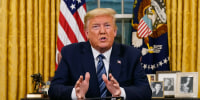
(168, 84)
(77, 76)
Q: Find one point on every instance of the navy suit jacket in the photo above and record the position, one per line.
(77, 59)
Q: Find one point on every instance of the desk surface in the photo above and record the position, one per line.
(106, 98)
(175, 98)
(99, 99)
(35, 99)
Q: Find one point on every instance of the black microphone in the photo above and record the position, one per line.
(110, 71)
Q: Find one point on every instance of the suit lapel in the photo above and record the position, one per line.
(115, 61)
(88, 65)
(87, 59)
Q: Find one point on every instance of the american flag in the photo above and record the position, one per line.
(71, 24)
(144, 27)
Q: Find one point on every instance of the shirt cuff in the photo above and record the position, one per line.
(123, 93)
(73, 95)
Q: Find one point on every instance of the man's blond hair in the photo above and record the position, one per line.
(99, 12)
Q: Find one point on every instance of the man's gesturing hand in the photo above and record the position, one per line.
(81, 86)
(112, 85)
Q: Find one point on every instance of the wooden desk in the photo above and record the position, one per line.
(107, 98)
(175, 98)
(35, 99)
(99, 99)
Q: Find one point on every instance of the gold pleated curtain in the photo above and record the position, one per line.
(184, 35)
(28, 31)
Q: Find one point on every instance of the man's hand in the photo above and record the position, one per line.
(59, 57)
(112, 85)
(81, 86)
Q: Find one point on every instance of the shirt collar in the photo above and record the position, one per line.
(106, 54)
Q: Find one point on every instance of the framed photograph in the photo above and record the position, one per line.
(151, 77)
(157, 89)
(169, 79)
(187, 84)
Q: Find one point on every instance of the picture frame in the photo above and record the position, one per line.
(157, 89)
(187, 84)
(151, 77)
(169, 80)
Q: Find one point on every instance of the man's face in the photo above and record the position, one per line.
(157, 86)
(167, 82)
(101, 32)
